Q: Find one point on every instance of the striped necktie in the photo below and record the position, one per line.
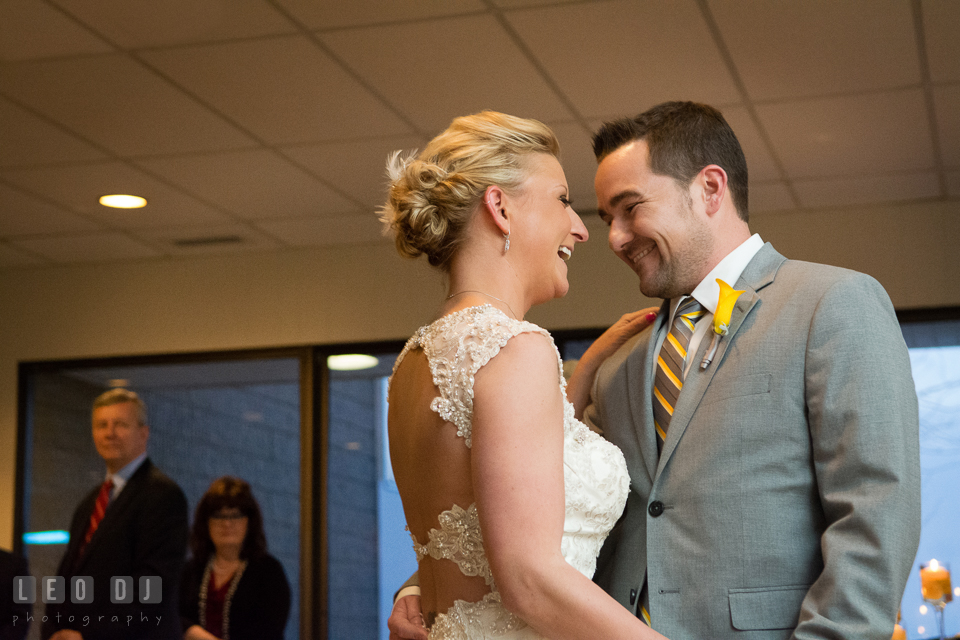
(670, 361)
(99, 510)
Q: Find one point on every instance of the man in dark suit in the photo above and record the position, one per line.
(13, 615)
(133, 525)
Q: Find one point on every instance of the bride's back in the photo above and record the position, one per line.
(431, 464)
(443, 203)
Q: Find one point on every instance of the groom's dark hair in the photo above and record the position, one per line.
(683, 138)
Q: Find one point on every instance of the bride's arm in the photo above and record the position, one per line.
(630, 324)
(517, 466)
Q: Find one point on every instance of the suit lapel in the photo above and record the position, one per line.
(78, 530)
(640, 376)
(115, 510)
(759, 273)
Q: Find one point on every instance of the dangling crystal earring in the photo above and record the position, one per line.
(506, 244)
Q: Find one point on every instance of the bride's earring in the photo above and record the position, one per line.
(506, 244)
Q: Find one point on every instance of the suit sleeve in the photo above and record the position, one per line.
(14, 628)
(161, 548)
(605, 558)
(864, 428)
(591, 415)
(78, 527)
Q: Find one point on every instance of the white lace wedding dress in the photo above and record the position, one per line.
(595, 474)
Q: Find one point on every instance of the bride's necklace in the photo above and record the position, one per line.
(459, 293)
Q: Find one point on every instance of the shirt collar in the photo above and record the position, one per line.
(729, 270)
(120, 478)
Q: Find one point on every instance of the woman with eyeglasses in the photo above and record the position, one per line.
(232, 589)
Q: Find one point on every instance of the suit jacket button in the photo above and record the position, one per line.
(655, 508)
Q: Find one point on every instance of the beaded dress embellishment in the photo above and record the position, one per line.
(595, 474)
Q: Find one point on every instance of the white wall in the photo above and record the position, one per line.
(366, 293)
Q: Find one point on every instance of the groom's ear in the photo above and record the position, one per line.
(712, 181)
(494, 207)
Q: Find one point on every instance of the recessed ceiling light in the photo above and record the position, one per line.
(351, 362)
(123, 201)
(118, 382)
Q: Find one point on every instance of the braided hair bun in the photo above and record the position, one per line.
(433, 195)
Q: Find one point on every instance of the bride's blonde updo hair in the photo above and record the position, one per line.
(433, 195)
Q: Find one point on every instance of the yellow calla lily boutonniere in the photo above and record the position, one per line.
(721, 319)
(728, 298)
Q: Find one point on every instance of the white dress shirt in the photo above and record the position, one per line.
(120, 478)
(707, 293)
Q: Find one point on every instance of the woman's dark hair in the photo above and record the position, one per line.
(227, 493)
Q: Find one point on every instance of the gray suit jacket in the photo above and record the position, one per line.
(786, 501)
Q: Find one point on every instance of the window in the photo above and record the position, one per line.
(238, 416)
(935, 360)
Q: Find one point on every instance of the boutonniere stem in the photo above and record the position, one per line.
(721, 320)
(712, 351)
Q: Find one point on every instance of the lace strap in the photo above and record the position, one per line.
(412, 343)
(458, 349)
(457, 346)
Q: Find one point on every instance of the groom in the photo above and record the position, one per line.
(778, 494)
(775, 490)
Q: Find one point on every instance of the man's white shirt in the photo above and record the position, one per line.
(707, 293)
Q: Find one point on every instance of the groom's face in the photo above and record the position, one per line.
(654, 226)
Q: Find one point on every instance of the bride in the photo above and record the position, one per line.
(507, 496)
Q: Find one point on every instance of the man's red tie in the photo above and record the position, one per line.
(99, 509)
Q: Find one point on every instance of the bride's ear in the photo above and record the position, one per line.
(494, 207)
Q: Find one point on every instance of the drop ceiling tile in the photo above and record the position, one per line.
(27, 139)
(324, 232)
(608, 70)
(22, 214)
(594, 124)
(352, 13)
(437, 70)
(513, 4)
(31, 30)
(135, 25)
(115, 102)
(867, 190)
(770, 196)
(940, 21)
(760, 164)
(199, 240)
(795, 49)
(953, 184)
(100, 247)
(849, 136)
(251, 184)
(946, 100)
(12, 257)
(79, 187)
(357, 168)
(284, 90)
(579, 165)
